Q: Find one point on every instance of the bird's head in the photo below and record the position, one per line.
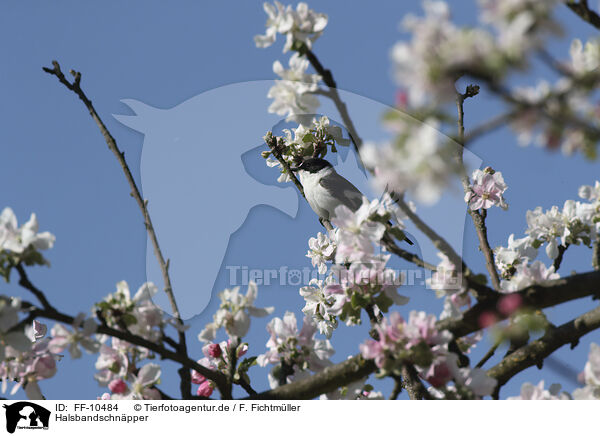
(312, 165)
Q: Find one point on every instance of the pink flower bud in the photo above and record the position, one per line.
(438, 374)
(214, 350)
(241, 350)
(117, 386)
(205, 389)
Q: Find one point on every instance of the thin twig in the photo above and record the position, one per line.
(478, 219)
(438, 241)
(26, 283)
(135, 193)
(491, 125)
(333, 94)
(488, 355)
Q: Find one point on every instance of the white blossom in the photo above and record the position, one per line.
(302, 25)
(321, 250)
(296, 348)
(537, 392)
(234, 313)
(422, 163)
(517, 251)
(16, 239)
(585, 59)
(527, 275)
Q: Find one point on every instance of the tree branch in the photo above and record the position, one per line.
(585, 13)
(538, 296)
(135, 193)
(535, 352)
(413, 385)
(127, 336)
(26, 283)
(322, 382)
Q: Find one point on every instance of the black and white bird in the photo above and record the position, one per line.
(325, 189)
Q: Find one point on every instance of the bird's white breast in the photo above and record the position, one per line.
(319, 198)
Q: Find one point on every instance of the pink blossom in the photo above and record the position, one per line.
(486, 190)
(117, 386)
(197, 378)
(371, 349)
(213, 350)
(438, 373)
(205, 389)
(241, 350)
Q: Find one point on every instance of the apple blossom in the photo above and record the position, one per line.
(293, 95)
(572, 225)
(420, 161)
(117, 386)
(16, 239)
(140, 385)
(517, 251)
(527, 275)
(585, 59)
(205, 389)
(314, 136)
(520, 25)
(416, 341)
(112, 363)
(486, 190)
(295, 348)
(537, 392)
(321, 250)
(234, 313)
(82, 330)
(300, 26)
(322, 307)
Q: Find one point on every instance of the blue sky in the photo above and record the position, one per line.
(55, 162)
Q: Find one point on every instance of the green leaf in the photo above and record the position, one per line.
(309, 137)
(383, 302)
(480, 278)
(357, 301)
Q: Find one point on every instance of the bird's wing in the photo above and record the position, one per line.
(344, 190)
